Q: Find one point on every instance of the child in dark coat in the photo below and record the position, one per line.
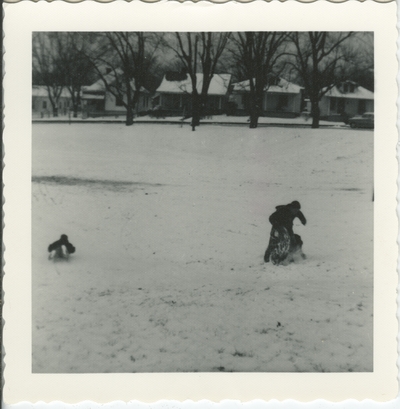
(283, 218)
(61, 248)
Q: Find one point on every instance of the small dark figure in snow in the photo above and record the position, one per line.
(282, 239)
(61, 249)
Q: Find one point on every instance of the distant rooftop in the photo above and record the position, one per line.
(218, 86)
(41, 91)
(283, 86)
(352, 91)
(99, 87)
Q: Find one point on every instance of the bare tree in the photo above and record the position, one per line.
(211, 50)
(45, 67)
(256, 55)
(359, 57)
(199, 51)
(73, 68)
(123, 60)
(318, 59)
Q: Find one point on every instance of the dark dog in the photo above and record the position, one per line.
(61, 249)
(283, 249)
(296, 249)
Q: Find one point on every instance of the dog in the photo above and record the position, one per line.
(296, 250)
(283, 249)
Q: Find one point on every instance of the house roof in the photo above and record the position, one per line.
(41, 91)
(218, 86)
(98, 87)
(283, 86)
(359, 93)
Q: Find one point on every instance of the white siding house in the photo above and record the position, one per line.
(97, 101)
(346, 99)
(41, 105)
(174, 96)
(282, 98)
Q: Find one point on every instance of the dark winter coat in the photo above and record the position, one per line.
(63, 241)
(284, 216)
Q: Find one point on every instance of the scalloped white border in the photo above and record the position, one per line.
(24, 17)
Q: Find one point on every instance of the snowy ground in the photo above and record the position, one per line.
(215, 119)
(170, 228)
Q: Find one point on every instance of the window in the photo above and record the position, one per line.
(348, 87)
(341, 104)
(333, 104)
(176, 101)
(283, 102)
(119, 102)
(44, 105)
(337, 105)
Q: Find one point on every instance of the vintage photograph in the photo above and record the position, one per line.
(202, 201)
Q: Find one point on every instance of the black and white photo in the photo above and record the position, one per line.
(200, 202)
(164, 164)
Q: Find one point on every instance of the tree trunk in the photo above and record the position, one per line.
(75, 109)
(315, 113)
(253, 120)
(76, 104)
(195, 111)
(195, 120)
(55, 111)
(254, 111)
(129, 115)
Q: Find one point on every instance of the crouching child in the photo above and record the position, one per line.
(282, 239)
(61, 249)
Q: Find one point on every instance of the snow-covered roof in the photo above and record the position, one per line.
(358, 93)
(99, 87)
(41, 91)
(218, 86)
(283, 86)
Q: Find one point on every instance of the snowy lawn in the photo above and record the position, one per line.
(215, 119)
(170, 228)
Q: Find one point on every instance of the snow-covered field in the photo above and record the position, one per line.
(215, 119)
(170, 228)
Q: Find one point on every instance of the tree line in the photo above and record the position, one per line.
(127, 62)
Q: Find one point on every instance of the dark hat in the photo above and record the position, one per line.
(64, 237)
(295, 204)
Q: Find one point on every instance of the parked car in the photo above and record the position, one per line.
(365, 120)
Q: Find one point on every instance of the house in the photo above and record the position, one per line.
(281, 98)
(346, 100)
(173, 96)
(41, 105)
(98, 101)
